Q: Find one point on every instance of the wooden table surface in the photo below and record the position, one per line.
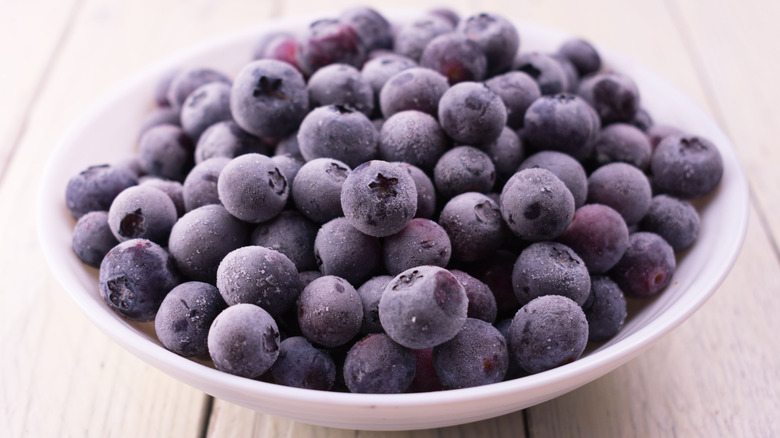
(716, 375)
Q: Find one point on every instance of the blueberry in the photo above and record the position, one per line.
(518, 91)
(202, 238)
(496, 272)
(614, 96)
(186, 81)
(377, 71)
(306, 277)
(341, 84)
(566, 168)
(260, 276)
(330, 41)
(605, 309)
(373, 29)
(423, 307)
(289, 165)
(622, 187)
(471, 113)
(227, 139)
(482, 302)
(412, 38)
(425, 378)
(342, 250)
(550, 268)
(455, 56)
(200, 186)
(166, 151)
(421, 242)
(496, 37)
(252, 188)
(142, 212)
(426, 192)
(546, 71)
(269, 98)
(182, 323)
(174, 190)
(95, 188)
(134, 278)
(291, 234)
(599, 235)
(338, 132)
(506, 153)
(92, 238)
(477, 355)
(281, 46)
(548, 332)
(562, 122)
(316, 189)
(572, 77)
(643, 120)
(582, 55)
(379, 198)
(330, 311)
(625, 143)
(686, 167)
(656, 133)
(162, 86)
(464, 169)
(289, 145)
(413, 137)
(377, 365)
(646, 267)
(473, 223)
(536, 205)
(370, 293)
(415, 88)
(675, 220)
(208, 104)
(244, 340)
(301, 365)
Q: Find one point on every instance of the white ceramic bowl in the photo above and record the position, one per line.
(108, 131)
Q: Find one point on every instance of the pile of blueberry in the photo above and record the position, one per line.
(388, 209)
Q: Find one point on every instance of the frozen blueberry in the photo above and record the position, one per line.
(646, 267)
(582, 55)
(330, 41)
(421, 242)
(506, 153)
(546, 71)
(566, 168)
(340, 133)
(675, 220)
(92, 238)
(343, 251)
(605, 309)
(182, 323)
(379, 198)
(471, 113)
(614, 96)
(686, 167)
(306, 277)
(623, 187)
(412, 38)
(187, 81)
(166, 151)
(208, 104)
(134, 278)
(373, 29)
(464, 169)
(370, 293)
(301, 365)
(316, 189)
(142, 212)
(330, 311)
(377, 365)
(482, 302)
(477, 355)
(281, 46)
(227, 139)
(269, 98)
(536, 205)
(550, 268)
(426, 192)
(377, 71)
(202, 238)
(562, 122)
(599, 235)
(160, 116)
(455, 56)
(415, 88)
(252, 188)
(548, 332)
(244, 340)
(291, 234)
(413, 137)
(518, 91)
(95, 188)
(473, 222)
(174, 190)
(341, 84)
(496, 37)
(260, 276)
(423, 307)
(625, 143)
(200, 186)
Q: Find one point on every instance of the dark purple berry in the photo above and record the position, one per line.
(471, 113)
(625, 143)
(166, 151)
(550, 268)
(473, 222)
(614, 96)
(95, 188)
(413, 137)
(411, 39)
(291, 234)
(421, 242)
(686, 167)
(477, 355)
(330, 41)
(455, 56)
(464, 169)
(316, 189)
(646, 267)
(187, 81)
(207, 105)
(340, 133)
(605, 309)
(341, 84)
(518, 91)
(536, 205)
(496, 37)
(623, 187)
(330, 311)
(599, 235)
(370, 293)
(566, 168)
(482, 302)
(343, 251)
(142, 212)
(200, 186)
(185, 316)
(244, 340)
(252, 188)
(301, 365)
(92, 238)
(546, 71)
(675, 220)
(562, 122)
(415, 88)
(227, 139)
(582, 55)
(377, 365)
